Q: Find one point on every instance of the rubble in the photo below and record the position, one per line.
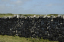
(42, 26)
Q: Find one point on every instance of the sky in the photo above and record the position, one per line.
(32, 6)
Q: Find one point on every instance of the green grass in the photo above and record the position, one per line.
(10, 14)
(2, 15)
(52, 14)
(6, 38)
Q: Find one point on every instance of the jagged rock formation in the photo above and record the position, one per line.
(46, 27)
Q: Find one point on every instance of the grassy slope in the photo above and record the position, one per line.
(6, 38)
